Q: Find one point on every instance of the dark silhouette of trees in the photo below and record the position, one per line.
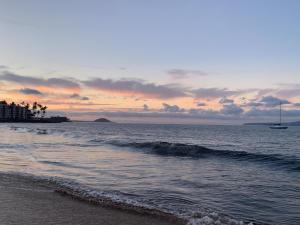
(37, 110)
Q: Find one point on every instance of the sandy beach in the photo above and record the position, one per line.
(24, 202)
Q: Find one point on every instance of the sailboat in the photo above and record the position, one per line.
(279, 125)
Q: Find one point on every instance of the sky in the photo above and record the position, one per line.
(170, 61)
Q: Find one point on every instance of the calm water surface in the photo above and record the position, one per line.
(248, 173)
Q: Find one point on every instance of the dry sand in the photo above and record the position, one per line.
(24, 202)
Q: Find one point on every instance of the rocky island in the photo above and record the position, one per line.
(103, 120)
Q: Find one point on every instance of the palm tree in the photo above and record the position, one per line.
(27, 106)
(39, 108)
(34, 109)
(44, 111)
(28, 111)
(34, 106)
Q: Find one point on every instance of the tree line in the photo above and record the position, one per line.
(36, 109)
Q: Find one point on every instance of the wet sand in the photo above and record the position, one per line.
(26, 202)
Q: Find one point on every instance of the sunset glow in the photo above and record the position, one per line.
(222, 65)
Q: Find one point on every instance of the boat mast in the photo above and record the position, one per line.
(280, 112)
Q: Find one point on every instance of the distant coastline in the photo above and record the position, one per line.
(55, 119)
(296, 123)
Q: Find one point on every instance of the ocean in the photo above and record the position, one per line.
(205, 174)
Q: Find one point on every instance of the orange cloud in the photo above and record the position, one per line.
(137, 88)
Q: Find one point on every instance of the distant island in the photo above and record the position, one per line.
(296, 123)
(103, 120)
(26, 113)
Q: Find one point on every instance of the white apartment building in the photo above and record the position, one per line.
(13, 112)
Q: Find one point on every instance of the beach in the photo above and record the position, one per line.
(24, 201)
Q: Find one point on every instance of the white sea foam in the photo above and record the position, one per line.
(117, 199)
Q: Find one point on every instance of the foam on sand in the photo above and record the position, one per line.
(27, 200)
(115, 201)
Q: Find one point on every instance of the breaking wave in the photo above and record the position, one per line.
(118, 200)
(197, 151)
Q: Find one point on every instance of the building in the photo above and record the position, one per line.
(4, 110)
(13, 112)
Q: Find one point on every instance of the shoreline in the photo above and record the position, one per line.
(30, 201)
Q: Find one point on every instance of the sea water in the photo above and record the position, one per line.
(206, 174)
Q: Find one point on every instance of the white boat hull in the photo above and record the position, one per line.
(279, 127)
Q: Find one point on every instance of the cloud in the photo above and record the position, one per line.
(200, 104)
(271, 114)
(183, 73)
(231, 109)
(137, 87)
(229, 114)
(171, 108)
(289, 92)
(271, 101)
(51, 82)
(266, 101)
(200, 114)
(253, 104)
(85, 98)
(77, 96)
(29, 91)
(285, 90)
(233, 115)
(2, 67)
(225, 100)
(73, 103)
(203, 113)
(263, 92)
(212, 93)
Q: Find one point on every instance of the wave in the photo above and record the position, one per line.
(197, 151)
(63, 164)
(117, 200)
(38, 131)
(12, 146)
